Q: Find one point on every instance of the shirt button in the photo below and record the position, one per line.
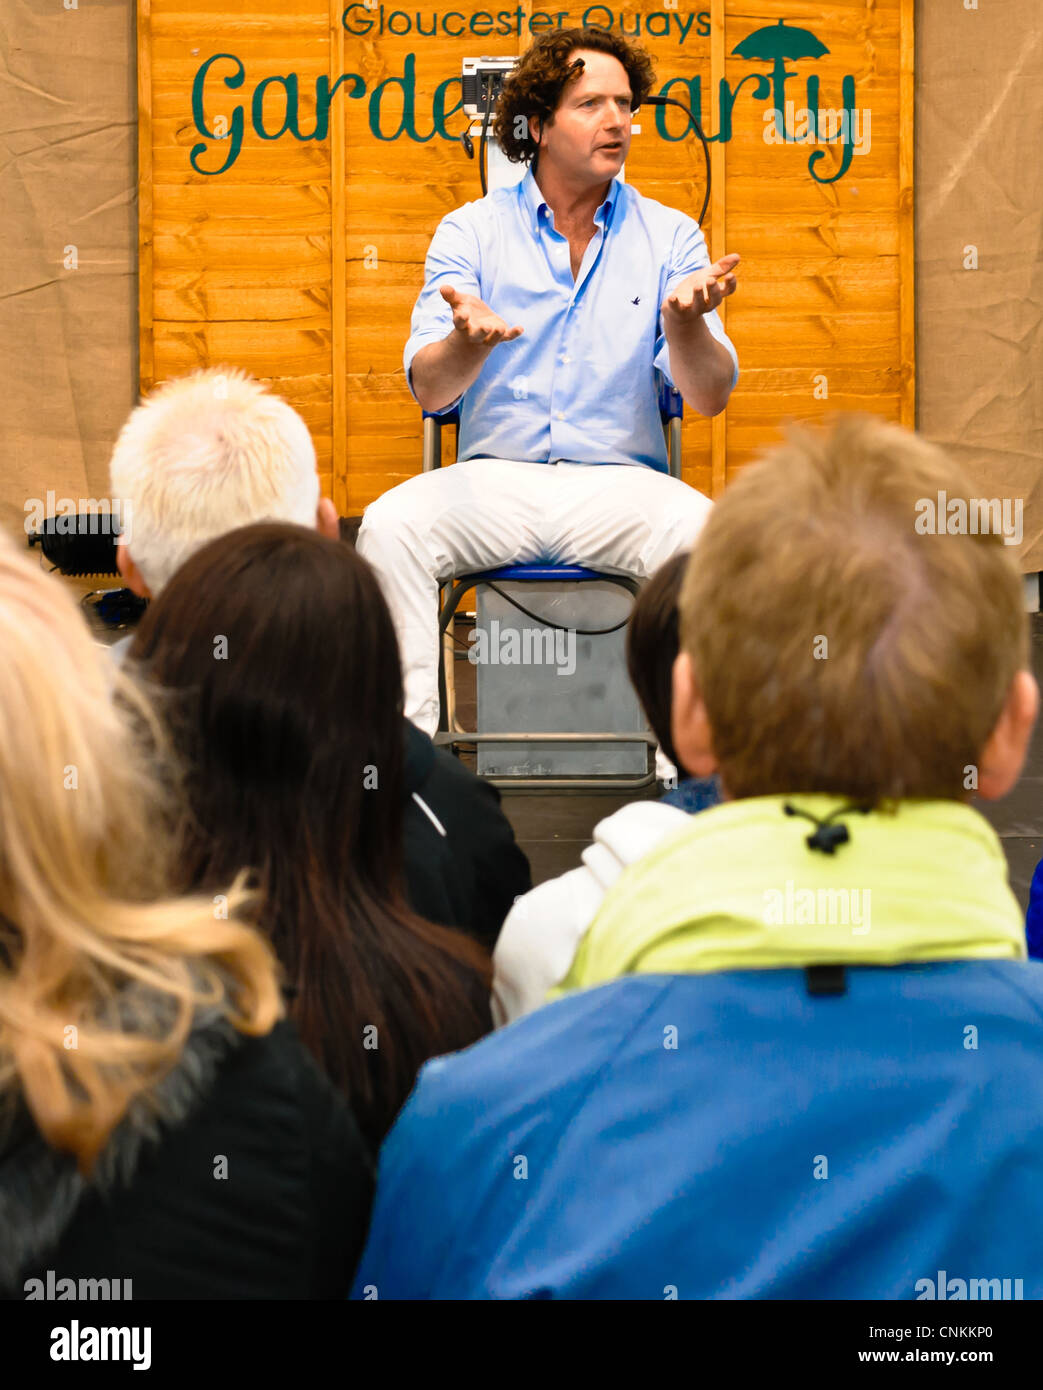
(565, 359)
(561, 415)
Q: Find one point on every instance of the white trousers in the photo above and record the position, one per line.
(484, 513)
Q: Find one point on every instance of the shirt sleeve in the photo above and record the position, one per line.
(453, 258)
(687, 255)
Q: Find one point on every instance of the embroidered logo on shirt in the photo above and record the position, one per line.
(636, 301)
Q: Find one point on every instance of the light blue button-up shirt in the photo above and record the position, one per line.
(579, 384)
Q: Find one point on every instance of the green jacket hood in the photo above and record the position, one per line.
(739, 888)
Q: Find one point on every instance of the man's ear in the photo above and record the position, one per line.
(1003, 757)
(130, 573)
(689, 725)
(327, 521)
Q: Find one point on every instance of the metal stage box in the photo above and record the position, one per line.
(531, 677)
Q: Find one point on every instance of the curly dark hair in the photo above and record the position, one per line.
(534, 87)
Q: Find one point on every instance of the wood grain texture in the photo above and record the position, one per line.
(339, 267)
(716, 235)
(146, 360)
(907, 219)
(302, 262)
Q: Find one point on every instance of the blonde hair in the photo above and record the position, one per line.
(839, 645)
(101, 976)
(203, 455)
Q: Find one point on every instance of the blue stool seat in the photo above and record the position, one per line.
(529, 572)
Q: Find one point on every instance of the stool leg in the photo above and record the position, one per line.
(443, 723)
(449, 596)
(449, 666)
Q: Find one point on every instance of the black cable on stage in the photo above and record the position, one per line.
(483, 144)
(669, 101)
(547, 622)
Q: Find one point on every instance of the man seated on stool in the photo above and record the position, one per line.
(545, 312)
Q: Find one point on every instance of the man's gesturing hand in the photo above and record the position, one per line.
(701, 292)
(476, 321)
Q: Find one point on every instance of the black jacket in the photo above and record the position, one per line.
(251, 1181)
(463, 866)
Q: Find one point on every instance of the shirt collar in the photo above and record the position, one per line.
(534, 201)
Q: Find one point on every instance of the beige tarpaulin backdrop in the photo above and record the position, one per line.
(67, 278)
(979, 184)
(68, 337)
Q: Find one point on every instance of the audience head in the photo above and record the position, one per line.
(89, 938)
(283, 688)
(201, 456)
(652, 644)
(832, 643)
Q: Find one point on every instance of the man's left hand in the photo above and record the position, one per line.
(701, 292)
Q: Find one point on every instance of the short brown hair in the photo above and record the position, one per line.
(534, 87)
(838, 648)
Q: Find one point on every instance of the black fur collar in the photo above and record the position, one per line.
(40, 1189)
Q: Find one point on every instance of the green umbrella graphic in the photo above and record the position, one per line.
(774, 43)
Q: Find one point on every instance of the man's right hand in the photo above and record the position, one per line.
(476, 322)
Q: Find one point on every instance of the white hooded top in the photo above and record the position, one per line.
(544, 928)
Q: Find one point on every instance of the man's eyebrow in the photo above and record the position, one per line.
(621, 96)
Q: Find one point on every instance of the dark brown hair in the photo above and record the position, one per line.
(652, 645)
(535, 85)
(282, 685)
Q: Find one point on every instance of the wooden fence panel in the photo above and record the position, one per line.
(290, 240)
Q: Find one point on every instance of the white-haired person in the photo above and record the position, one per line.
(162, 1125)
(205, 454)
(216, 450)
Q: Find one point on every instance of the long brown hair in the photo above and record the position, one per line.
(284, 691)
